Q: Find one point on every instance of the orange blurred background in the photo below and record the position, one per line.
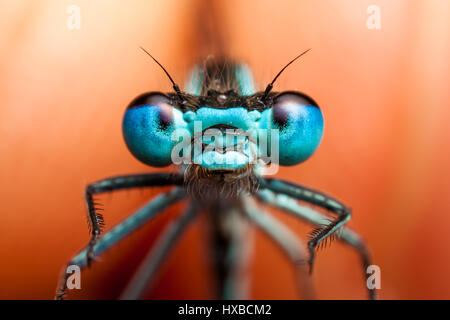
(385, 98)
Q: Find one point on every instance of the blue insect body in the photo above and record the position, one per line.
(213, 132)
(297, 117)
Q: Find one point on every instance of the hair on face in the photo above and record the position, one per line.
(206, 184)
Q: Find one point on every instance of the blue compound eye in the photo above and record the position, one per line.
(147, 126)
(300, 124)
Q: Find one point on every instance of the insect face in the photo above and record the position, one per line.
(222, 138)
(221, 124)
(158, 133)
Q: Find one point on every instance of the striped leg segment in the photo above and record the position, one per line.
(156, 256)
(95, 218)
(287, 241)
(125, 228)
(309, 215)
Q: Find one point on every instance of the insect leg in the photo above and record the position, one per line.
(235, 285)
(123, 229)
(317, 198)
(291, 245)
(346, 235)
(156, 256)
(96, 221)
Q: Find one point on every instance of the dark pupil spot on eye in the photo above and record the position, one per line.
(165, 117)
(280, 116)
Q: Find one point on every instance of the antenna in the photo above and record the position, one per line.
(270, 85)
(174, 85)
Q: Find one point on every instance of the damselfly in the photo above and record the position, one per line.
(213, 131)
